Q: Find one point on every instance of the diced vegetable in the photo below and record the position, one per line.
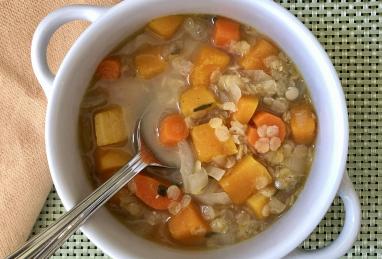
(109, 69)
(194, 99)
(110, 126)
(149, 62)
(172, 130)
(166, 26)
(225, 32)
(254, 59)
(247, 176)
(207, 60)
(266, 118)
(110, 159)
(201, 75)
(149, 191)
(257, 203)
(252, 136)
(303, 124)
(207, 145)
(188, 226)
(246, 107)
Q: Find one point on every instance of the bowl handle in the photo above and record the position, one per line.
(44, 32)
(349, 232)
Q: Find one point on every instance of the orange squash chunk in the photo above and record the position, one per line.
(149, 62)
(110, 126)
(188, 226)
(257, 202)
(246, 107)
(303, 124)
(166, 26)
(254, 59)
(207, 60)
(244, 179)
(207, 145)
(110, 159)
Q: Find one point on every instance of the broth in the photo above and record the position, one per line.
(225, 105)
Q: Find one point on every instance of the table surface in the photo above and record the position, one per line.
(351, 33)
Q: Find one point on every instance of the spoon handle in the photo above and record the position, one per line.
(44, 244)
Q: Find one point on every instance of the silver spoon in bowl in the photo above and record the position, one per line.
(44, 244)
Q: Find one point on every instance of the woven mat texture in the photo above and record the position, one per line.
(351, 32)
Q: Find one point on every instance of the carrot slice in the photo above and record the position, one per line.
(252, 135)
(172, 130)
(225, 31)
(109, 69)
(149, 191)
(266, 118)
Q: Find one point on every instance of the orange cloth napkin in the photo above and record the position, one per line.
(24, 176)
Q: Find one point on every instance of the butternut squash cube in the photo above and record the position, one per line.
(246, 107)
(188, 226)
(303, 124)
(246, 177)
(166, 26)
(254, 59)
(201, 75)
(207, 60)
(110, 126)
(196, 99)
(110, 159)
(207, 145)
(149, 62)
(257, 203)
(208, 55)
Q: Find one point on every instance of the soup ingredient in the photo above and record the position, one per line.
(208, 146)
(207, 60)
(152, 192)
(166, 26)
(110, 159)
(198, 179)
(110, 126)
(291, 93)
(187, 162)
(252, 136)
(246, 107)
(214, 198)
(172, 130)
(225, 32)
(246, 177)
(149, 62)
(257, 203)
(303, 124)
(195, 100)
(254, 59)
(268, 119)
(109, 69)
(188, 226)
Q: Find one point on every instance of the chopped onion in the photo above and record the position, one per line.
(187, 162)
(197, 181)
(220, 198)
(215, 172)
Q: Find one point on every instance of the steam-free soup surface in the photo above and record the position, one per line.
(225, 105)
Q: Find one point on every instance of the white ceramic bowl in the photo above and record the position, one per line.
(109, 27)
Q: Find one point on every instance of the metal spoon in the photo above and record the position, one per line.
(44, 244)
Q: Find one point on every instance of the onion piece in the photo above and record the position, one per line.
(187, 162)
(197, 181)
(215, 172)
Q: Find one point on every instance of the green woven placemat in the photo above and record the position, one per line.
(351, 32)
